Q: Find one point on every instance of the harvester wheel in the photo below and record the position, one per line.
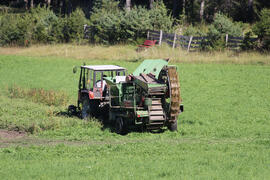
(85, 109)
(119, 126)
(172, 126)
(175, 98)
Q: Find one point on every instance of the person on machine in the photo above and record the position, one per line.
(102, 83)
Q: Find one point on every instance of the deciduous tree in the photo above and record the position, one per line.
(32, 3)
(26, 4)
(202, 9)
(151, 4)
(128, 5)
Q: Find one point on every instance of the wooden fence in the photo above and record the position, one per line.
(191, 43)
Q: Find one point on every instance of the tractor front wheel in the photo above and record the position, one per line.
(72, 110)
(119, 126)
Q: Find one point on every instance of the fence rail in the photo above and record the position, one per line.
(191, 43)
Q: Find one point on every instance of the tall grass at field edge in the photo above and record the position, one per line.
(128, 53)
(48, 97)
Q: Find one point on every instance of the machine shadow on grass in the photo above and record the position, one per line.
(106, 124)
(111, 126)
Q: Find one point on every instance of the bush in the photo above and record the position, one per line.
(110, 24)
(38, 26)
(106, 22)
(195, 31)
(221, 26)
(159, 17)
(262, 29)
(57, 32)
(8, 32)
(41, 25)
(14, 29)
(73, 29)
(136, 23)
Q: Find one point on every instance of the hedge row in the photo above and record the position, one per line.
(109, 23)
(41, 25)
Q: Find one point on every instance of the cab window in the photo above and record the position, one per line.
(89, 79)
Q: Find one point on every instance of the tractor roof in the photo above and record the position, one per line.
(104, 68)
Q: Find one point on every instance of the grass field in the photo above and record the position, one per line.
(224, 132)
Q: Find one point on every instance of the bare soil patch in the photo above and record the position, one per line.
(10, 135)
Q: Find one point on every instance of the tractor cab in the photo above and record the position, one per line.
(92, 81)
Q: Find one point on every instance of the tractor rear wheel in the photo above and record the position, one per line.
(172, 126)
(85, 109)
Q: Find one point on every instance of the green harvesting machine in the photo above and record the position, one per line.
(148, 98)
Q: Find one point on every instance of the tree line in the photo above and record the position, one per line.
(192, 10)
(26, 22)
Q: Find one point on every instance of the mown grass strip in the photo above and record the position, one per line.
(156, 160)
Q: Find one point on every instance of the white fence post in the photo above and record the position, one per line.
(174, 39)
(226, 40)
(148, 34)
(189, 43)
(160, 38)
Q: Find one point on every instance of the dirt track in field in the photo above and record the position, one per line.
(15, 138)
(10, 135)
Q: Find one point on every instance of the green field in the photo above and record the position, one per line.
(224, 132)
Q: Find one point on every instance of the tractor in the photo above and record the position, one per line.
(148, 98)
